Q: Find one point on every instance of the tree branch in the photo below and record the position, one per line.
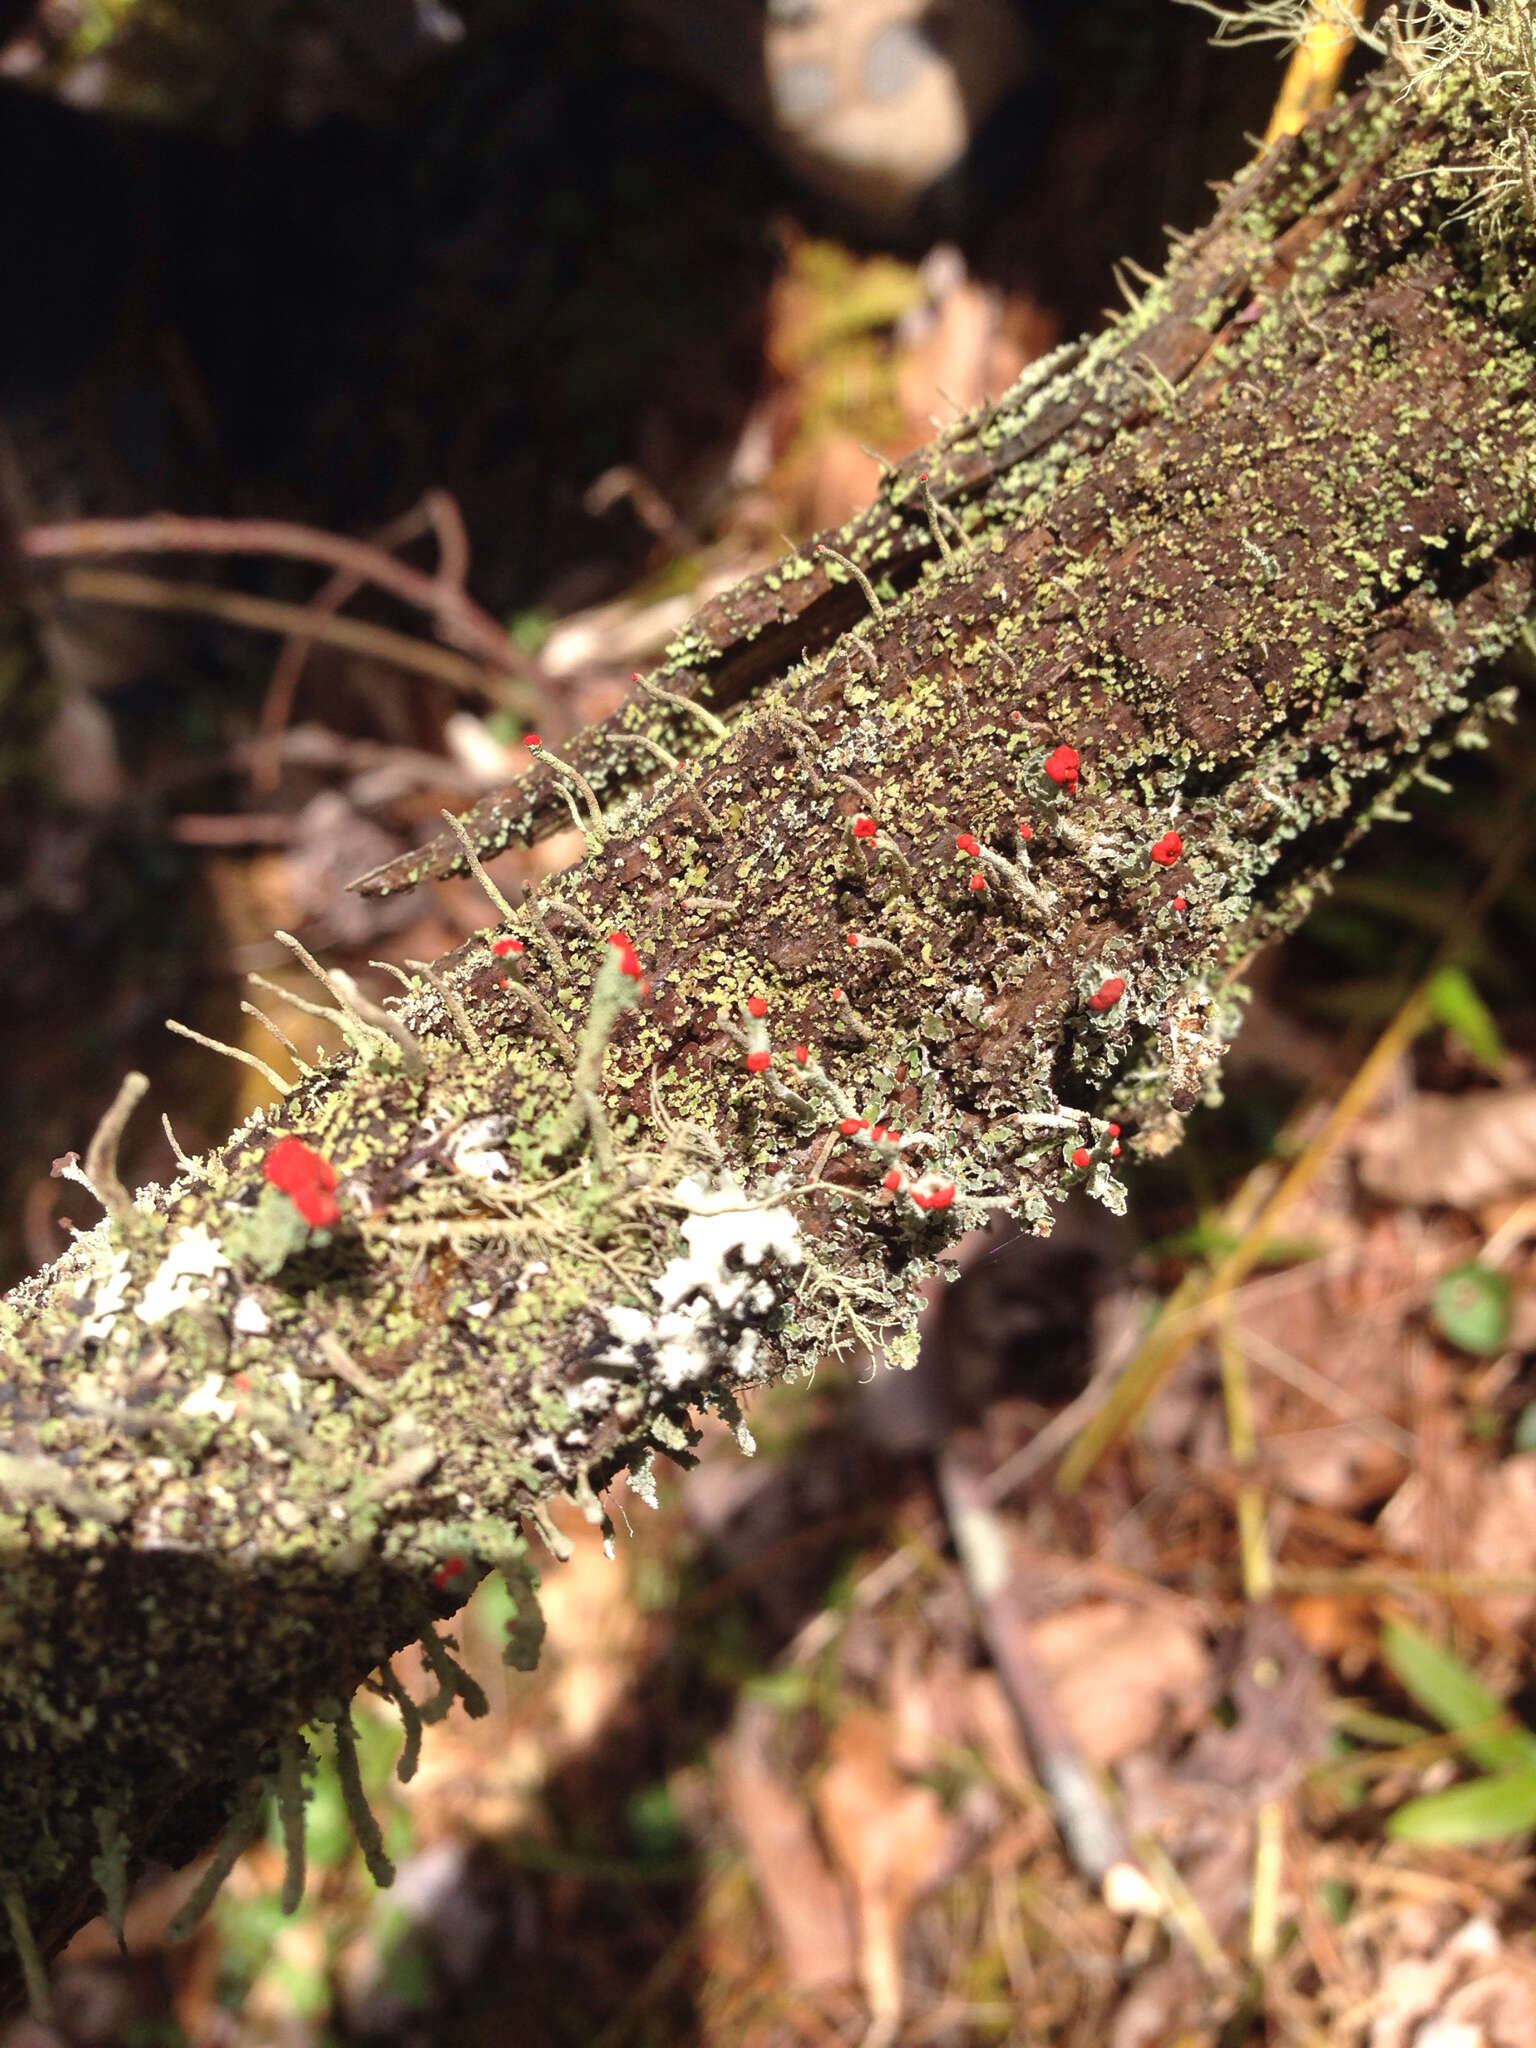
(1231, 577)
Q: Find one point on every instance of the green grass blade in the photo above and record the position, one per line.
(1484, 1811)
(1443, 1686)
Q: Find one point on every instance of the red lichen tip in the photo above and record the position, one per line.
(968, 843)
(306, 1179)
(1109, 993)
(864, 828)
(978, 882)
(1082, 1157)
(932, 1193)
(1026, 831)
(504, 948)
(757, 1006)
(1168, 849)
(1181, 903)
(1113, 1129)
(629, 959)
(853, 938)
(449, 1569)
(893, 1136)
(895, 1180)
(803, 1055)
(852, 1125)
(532, 742)
(839, 995)
(1062, 766)
(1015, 718)
(759, 1062)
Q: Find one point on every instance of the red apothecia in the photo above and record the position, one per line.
(306, 1179)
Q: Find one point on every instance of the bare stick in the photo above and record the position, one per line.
(452, 537)
(1090, 1832)
(458, 618)
(267, 615)
(288, 671)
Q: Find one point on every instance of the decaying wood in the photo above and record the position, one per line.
(1169, 625)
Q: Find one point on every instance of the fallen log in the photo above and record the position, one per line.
(918, 885)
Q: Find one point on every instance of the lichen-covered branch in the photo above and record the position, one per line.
(945, 915)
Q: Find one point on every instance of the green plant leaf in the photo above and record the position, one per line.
(1455, 1003)
(1443, 1686)
(1472, 1309)
(1484, 1811)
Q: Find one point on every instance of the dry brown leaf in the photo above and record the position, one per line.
(803, 1899)
(1503, 1537)
(839, 481)
(1472, 1989)
(1119, 1672)
(1462, 1150)
(892, 1840)
(1338, 1465)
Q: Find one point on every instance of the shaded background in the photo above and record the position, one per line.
(640, 286)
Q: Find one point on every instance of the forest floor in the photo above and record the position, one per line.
(772, 1783)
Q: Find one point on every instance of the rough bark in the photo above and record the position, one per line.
(1252, 555)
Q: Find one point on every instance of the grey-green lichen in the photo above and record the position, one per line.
(1229, 576)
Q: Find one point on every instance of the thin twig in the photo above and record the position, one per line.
(338, 589)
(268, 615)
(457, 617)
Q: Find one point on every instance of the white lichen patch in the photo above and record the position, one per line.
(109, 1299)
(250, 1318)
(474, 1151)
(196, 1257)
(709, 1299)
(208, 1399)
